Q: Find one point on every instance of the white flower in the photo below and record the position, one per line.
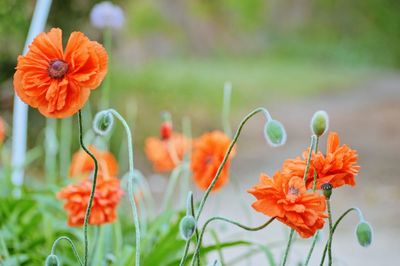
(107, 15)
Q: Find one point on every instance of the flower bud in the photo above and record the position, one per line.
(275, 133)
(166, 130)
(52, 260)
(364, 233)
(319, 123)
(103, 123)
(187, 227)
(327, 190)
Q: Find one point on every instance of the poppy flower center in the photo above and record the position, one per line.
(293, 191)
(57, 69)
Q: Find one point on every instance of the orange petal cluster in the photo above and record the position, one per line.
(208, 153)
(59, 82)
(286, 198)
(82, 164)
(2, 130)
(337, 167)
(106, 198)
(166, 154)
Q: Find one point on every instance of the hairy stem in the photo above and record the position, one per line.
(360, 216)
(247, 228)
(87, 214)
(328, 202)
(130, 183)
(53, 248)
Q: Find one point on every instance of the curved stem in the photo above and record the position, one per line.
(130, 183)
(173, 178)
(87, 214)
(315, 172)
(53, 248)
(233, 142)
(360, 216)
(228, 221)
(185, 252)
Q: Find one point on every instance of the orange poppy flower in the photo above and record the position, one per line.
(338, 167)
(166, 154)
(59, 82)
(82, 164)
(2, 130)
(208, 153)
(106, 199)
(286, 198)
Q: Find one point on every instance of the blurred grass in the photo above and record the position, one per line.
(194, 88)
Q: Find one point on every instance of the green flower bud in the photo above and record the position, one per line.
(275, 133)
(103, 123)
(327, 190)
(187, 227)
(319, 123)
(52, 260)
(364, 233)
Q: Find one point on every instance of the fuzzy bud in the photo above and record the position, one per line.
(103, 123)
(52, 260)
(275, 133)
(327, 190)
(364, 233)
(319, 123)
(187, 227)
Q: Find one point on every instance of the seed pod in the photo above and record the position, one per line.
(103, 123)
(52, 260)
(364, 233)
(275, 133)
(187, 227)
(319, 123)
(327, 190)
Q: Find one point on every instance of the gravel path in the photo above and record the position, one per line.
(367, 118)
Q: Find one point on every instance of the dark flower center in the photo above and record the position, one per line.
(293, 191)
(57, 69)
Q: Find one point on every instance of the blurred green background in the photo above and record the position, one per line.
(176, 55)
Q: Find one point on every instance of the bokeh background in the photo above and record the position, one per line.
(293, 57)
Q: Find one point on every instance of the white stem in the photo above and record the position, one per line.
(20, 119)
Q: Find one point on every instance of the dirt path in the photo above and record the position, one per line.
(367, 118)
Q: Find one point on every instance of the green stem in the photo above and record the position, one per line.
(313, 189)
(65, 146)
(130, 183)
(87, 214)
(360, 216)
(173, 178)
(235, 138)
(287, 249)
(311, 249)
(53, 248)
(328, 202)
(289, 243)
(247, 228)
(95, 244)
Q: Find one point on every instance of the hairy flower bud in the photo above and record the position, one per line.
(364, 233)
(275, 133)
(103, 123)
(52, 260)
(319, 123)
(187, 227)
